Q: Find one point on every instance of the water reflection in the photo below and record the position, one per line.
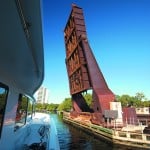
(71, 138)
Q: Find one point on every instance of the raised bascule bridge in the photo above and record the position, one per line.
(106, 118)
(84, 74)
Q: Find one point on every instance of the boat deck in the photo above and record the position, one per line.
(41, 130)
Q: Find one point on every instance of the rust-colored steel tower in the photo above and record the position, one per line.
(83, 70)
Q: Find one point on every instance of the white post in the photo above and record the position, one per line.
(141, 128)
(133, 120)
(107, 122)
(130, 120)
(146, 123)
(126, 121)
(144, 137)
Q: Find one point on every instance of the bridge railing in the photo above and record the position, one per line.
(132, 136)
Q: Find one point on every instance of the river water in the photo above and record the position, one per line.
(71, 138)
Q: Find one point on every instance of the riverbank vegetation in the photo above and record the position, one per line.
(139, 100)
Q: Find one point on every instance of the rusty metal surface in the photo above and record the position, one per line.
(79, 103)
(83, 70)
(129, 115)
(97, 118)
(75, 60)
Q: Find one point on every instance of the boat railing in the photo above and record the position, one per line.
(54, 141)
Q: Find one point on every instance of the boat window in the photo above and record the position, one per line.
(3, 100)
(21, 113)
(30, 108)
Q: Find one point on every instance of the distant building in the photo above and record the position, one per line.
(143, 110)
(143, 115)
(42, 95)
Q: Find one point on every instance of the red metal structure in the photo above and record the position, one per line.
(83, 70)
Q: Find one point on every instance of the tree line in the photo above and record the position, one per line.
(139, 100)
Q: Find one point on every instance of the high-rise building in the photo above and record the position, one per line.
(42, 95)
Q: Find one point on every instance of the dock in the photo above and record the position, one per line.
(134, 140)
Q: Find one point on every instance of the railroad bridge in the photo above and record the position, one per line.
(84, 74)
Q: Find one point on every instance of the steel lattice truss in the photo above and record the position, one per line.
(83, 70)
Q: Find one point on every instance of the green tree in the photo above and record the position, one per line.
(38, 106)
(52, 107)
(139, 100)
(140, 96)
(46, 107)
(125, 100)
(88, 99)
(117, 98)
(66, 105)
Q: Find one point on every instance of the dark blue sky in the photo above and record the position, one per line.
(119, 35)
